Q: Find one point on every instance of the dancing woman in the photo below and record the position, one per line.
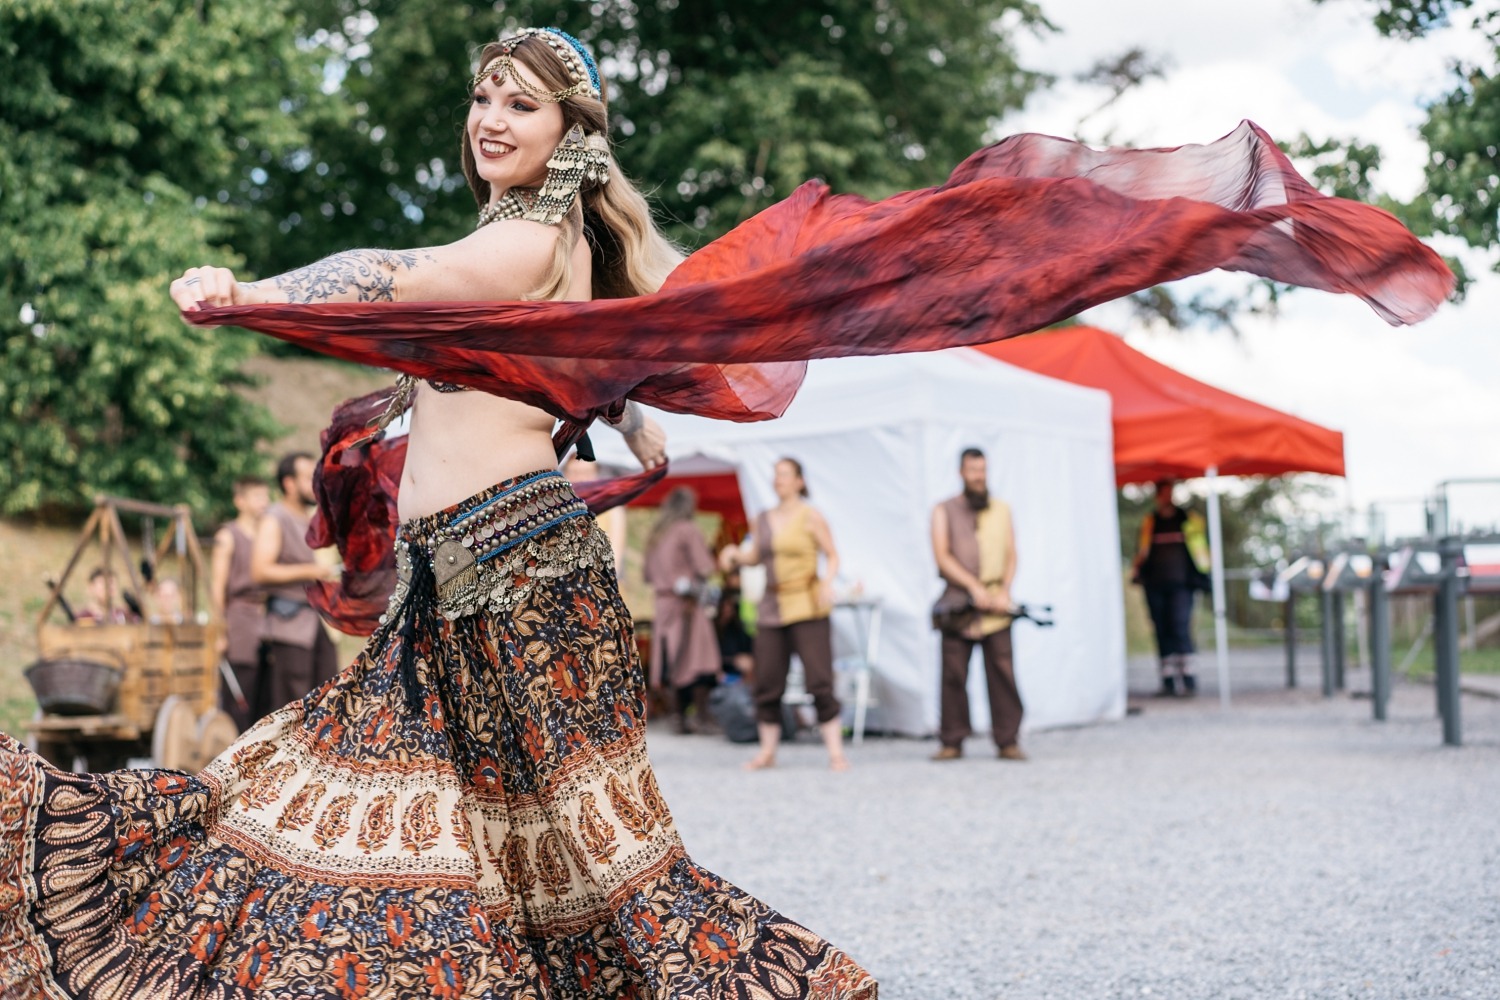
(468, 809)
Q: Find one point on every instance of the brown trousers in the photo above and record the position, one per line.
(812, 641)
(1000, 675)
(296, 670)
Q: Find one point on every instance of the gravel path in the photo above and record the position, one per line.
(1292, 848)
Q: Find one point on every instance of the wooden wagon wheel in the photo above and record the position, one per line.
(174, 740)
(216, 730)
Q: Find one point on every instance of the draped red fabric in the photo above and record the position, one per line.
(1025, 233)
(356, 483)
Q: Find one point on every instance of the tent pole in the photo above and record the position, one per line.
(1216, 550)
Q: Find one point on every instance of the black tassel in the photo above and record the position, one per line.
(418, 616)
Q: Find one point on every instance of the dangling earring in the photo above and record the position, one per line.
(578, 157)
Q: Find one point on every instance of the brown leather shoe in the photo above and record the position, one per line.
(1011, 752)
(949, 753)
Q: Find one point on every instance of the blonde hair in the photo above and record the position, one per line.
(630, 255)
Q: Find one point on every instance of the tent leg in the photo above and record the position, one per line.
(1380, 648)
(1216, 549)
(1291, 640)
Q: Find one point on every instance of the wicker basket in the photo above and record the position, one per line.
(74, 686)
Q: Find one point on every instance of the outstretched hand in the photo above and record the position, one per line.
(209, 286)
(648, 443)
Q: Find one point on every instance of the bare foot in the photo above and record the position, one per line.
(838, 763)
(760, 762)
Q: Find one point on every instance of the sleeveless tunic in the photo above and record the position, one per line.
(244, 601)
(300, 628)
(790, 556)
(980, 541)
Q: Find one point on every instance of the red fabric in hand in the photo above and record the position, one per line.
(1025, 233)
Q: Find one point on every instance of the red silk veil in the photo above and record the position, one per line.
(1024, 233)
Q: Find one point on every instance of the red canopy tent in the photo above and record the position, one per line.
(1170, 426)
(718, 493)
(718, 490)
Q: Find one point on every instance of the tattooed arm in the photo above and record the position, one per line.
(351, 276)
(500, 262)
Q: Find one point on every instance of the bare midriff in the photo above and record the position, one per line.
(465, 442)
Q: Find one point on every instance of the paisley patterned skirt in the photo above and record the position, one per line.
(467, 811)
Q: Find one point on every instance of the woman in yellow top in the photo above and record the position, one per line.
(793, 615)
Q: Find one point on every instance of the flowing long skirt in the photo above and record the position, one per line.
(467, 811)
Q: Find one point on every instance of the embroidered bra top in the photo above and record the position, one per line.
(406, 391)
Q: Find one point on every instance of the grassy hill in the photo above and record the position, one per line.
(302, 392)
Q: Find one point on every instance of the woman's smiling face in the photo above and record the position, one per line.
(512, 134)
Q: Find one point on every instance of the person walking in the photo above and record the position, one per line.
(793, 616)
(974, 544)
(684, 649)
(1171, 564)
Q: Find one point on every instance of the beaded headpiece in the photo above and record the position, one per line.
(581, 158)
(580, 65)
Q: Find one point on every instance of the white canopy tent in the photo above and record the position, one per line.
(879, 439)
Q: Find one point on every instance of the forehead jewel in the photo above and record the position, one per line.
(573, 53)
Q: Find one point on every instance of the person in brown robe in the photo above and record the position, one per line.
(684, 650)
(239, 602)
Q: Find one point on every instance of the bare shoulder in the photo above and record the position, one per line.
(505, 259)
(516, 242)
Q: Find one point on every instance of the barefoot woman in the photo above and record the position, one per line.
(794, 614)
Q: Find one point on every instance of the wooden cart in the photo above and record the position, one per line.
(110, 693)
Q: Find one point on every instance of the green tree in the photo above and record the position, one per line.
(1462, 130)
(718, 108)
(131, 136)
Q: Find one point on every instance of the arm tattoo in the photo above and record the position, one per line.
(351, 276)
(632, 420)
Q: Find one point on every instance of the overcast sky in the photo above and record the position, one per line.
(1416, 404)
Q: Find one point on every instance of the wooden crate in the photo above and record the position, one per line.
(158, 660)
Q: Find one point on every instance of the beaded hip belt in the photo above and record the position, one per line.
(488, 552)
